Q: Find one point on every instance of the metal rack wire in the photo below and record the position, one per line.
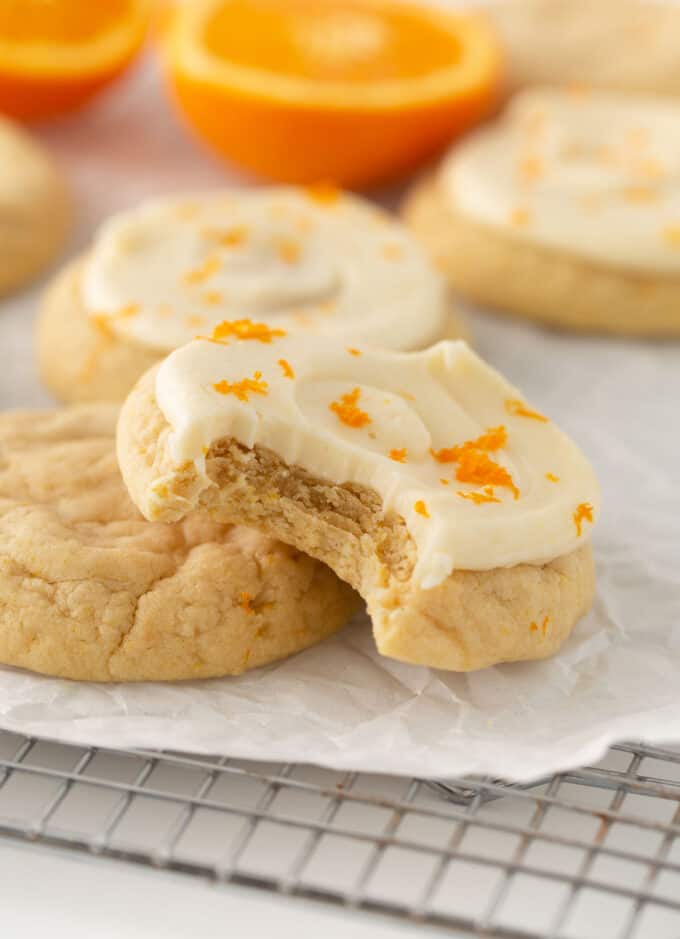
(587, 854)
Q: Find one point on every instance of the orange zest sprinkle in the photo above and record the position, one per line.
(244, 329)
(519, 409)
(102, 323)
(353, 351)
(487, 495)
(445, 482)
(347, 410)
(130, 309)
(552, 478)
(495, 438)
(534, 627)
(241, 389)
(201, 273)
(246, 602)
(212, 297)
(286, 368)
(195, 321)
(421, 508)
(228, 237)
(583, 513)
(288, 250)
(519, 217)
(399, 455)
(323, 193)
(474, 466)
(531, 168)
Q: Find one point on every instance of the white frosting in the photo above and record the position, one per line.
(326, 263)
(421, 402)
(594, 174)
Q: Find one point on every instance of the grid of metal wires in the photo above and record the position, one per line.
(587, 853)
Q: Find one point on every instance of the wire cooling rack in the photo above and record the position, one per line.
(588, 854)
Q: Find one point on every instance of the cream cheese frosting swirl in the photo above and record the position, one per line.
(315, 260)
(481, 479)
(592, 174)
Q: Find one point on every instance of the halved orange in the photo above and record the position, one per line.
(356, 91)
(55, 54)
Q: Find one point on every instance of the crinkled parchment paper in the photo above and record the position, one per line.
(340, 704)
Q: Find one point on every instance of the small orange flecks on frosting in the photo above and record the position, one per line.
(487, 495)
(583, 513)
(244, 329)
(347, 410)
(125, 312)
(241, 389)
(475, 467)
(245, 602)
(495, 438)
(232, 237)
(323, 193)
(445, 482)
(392, 251)
(286, 368)
(195, 321)
(353, 351)
(531, 168)
(639, 194)
(399, 455)
(552, 478)
(201, 273)
(519, 217)
(212, 297)
(671, 234)
(288, 250)
(519, 409)
(102, 323)
(421, 508)
(407, 396)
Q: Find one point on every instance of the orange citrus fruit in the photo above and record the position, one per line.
(355, 91)
(55, 54)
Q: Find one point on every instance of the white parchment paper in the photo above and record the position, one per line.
(339, 704)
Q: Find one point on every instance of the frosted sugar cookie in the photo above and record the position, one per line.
(311, 259)
(625, 45)
(34, 208)
(90, 590)
(423, 479)
(566, 210)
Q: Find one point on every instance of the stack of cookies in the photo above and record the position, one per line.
(301, 426)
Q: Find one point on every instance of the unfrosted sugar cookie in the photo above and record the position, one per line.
(90, 590)
(461, 514)
(312, 259)
(34, 208)
(626, 45)
(565, 210)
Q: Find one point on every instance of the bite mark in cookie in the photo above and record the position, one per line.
(352, 461)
